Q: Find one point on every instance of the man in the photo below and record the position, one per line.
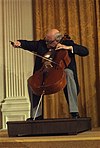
(54, 39)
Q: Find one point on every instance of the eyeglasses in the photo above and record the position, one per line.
(49, 42)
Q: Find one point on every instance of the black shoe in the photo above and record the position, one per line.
(75, 115)
(37, 118)
(29, 119)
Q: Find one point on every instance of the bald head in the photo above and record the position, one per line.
(52, 37)
(53, 34)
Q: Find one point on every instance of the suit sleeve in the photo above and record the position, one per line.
(29, 45)
(80, 50)
(77, 49)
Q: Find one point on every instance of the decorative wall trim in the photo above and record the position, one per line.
(18, 64)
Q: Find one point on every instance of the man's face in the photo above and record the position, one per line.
(51, 41)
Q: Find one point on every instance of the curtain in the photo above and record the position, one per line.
(81, 20)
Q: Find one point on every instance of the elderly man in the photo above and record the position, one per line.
(53, 40)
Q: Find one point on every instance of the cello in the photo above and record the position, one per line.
(51, 78)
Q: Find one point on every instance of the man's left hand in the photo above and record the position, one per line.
(61, 46)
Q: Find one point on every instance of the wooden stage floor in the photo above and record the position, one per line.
(88, 139)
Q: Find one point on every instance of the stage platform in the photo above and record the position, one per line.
(64, 126)
(87, 139)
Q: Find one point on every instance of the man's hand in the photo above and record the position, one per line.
(15, 44)
(61, 46)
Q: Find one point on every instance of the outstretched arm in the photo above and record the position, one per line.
(26, 45)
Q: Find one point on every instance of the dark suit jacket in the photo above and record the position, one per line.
(40, 48)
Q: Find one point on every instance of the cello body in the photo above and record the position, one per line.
(48, 81)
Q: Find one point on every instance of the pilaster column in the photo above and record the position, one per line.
(17, 63)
